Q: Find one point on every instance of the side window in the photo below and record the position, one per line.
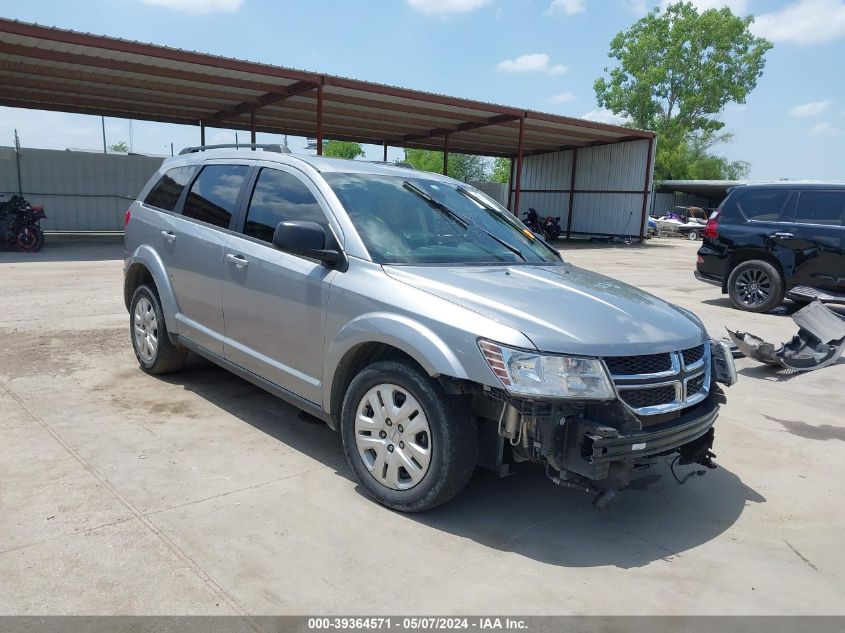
(167, 190)
(214, 193)
(279, 196)
(763, 205)
(821, 207)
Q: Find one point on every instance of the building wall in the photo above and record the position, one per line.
(80, 191)
(607, 195)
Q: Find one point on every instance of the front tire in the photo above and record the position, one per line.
(154, 350)
(30, 239)
(410, 445)
(755, 286)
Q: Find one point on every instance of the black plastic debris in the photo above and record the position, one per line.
(820, 341)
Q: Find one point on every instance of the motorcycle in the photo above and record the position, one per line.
(19, 224)
(547, 227)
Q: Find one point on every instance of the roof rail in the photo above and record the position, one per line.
(267, 147)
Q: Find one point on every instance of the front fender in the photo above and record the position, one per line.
(401, 332)
(145, 256)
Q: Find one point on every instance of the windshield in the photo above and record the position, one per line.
(411, 220)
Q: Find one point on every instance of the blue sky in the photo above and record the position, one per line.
(537, 54)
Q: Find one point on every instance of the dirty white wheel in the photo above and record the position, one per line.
(155, 352)
(393, 436)
(410, 444)
(145, 327)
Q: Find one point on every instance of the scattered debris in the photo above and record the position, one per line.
(820, 341)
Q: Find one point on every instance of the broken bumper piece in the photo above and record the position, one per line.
(820, 341)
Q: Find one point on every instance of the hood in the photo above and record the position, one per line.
(562, 308)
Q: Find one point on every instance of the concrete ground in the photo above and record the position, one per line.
(121, 493)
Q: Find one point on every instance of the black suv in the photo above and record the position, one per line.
(768, 241)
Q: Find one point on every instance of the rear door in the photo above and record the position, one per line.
(275, 302)
(756, 221)
(817, 239)
(194, 242)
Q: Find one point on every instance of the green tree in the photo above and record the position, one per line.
(463, 167)
(120, 146)
(501, 170)
(676, 71)
(693, 159)
(342, 149)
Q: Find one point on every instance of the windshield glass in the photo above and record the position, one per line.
(412, 220)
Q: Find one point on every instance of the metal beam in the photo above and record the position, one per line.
(202, 133)
(462, 127)
(384, 143)
(645, 187)
(519, 165)
(445, 154)
(571, 193)
(320, 120)
(265, 99)
(252, 127)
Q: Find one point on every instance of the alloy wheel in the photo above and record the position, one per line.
(753, 287)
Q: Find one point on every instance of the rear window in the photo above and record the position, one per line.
(763, 205)
(821, 207)
(214, 194)
(167, 190)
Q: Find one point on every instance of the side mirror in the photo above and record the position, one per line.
(308, 239)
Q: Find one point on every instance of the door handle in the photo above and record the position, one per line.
(238, 260)
(782, 234)
(170, 236)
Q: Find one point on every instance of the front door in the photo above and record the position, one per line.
(817, 239)
(275, 302)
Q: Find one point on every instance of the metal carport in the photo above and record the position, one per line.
(55, 69)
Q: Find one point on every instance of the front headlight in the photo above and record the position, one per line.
(556, 376)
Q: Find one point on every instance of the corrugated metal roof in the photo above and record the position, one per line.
(56, 69)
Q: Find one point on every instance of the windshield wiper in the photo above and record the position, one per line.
(436, 204)
(492, 210)
(458, 218)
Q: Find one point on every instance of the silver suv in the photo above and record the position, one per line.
(419, 318)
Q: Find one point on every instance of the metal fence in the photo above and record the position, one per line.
(80, 191)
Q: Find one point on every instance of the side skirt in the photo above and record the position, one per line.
(271, 387)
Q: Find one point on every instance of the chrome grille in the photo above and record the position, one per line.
(659, 383)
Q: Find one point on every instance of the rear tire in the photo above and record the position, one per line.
(756, 286)
(692, 235)
(155, 352)
(417, 466)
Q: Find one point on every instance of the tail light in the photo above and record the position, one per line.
(711, 230)
(127, 216)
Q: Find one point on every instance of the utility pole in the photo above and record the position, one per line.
(103, 122)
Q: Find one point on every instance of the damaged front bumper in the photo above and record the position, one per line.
(820, 341)
(596, 446)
